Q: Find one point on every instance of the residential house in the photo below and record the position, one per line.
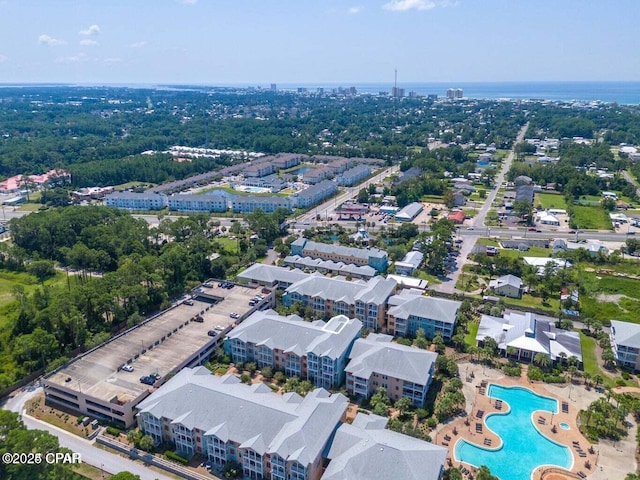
(456, 217)
(410, 263)
(317, 351)
(507, 286)
(403, 371)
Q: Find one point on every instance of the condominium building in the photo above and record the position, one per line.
(198, 203)
(281, 437)
(333, 296)
(271, 276)
(366, 450)
(259, 168)
(401, 370)
(136, 201)
(317, 351)
(625, 342)
(374, 257)
(409, 311)
(329, 266)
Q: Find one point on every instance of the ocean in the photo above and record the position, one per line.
(627, 93)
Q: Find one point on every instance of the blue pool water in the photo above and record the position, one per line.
(524, 448)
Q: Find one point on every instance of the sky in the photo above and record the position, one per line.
(257, 42)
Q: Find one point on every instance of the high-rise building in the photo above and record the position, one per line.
(453, 93)
(397, 92)
(274, 87)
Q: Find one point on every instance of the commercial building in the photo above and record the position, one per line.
(136, 201)
(529, 335)
(403, 371)
(366, 450)
(273, 436)
(95, 383)
(409, 311)
(409, 212)
(198, 203)
(373, 257)
(317, 351)
(625, 342)
(410, 263)
(329, 266)
(333, 296)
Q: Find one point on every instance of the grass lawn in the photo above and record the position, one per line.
(550, 200)
(532, 252)
(89, 471)
(229, 245)
(590, 361)
(591, 217)
(238, 192)
(128, 185)
(432, 279)
(488, 242)
(432, 198)
(530, 301)
(468, 212)
(470, 337)
(628, 307)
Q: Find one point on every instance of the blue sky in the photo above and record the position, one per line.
(331, 41)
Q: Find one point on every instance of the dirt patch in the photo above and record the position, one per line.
(614, 298)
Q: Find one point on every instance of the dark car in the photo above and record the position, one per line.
(148, 380)
(212, 333)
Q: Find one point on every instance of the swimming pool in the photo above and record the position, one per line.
(523, 447)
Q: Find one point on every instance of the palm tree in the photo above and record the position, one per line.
(597, 379)
(542, 360)
(511, 351)
(563, 357)
(587, 377)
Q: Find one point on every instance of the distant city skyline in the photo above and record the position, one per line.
(334, 41)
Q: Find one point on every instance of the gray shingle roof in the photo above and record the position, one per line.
(292, 333)
(625, 333)
(378, 354)
(376, 290)
(329, 248)
(259, 272)
(366, 450)
(408, 303)
(506, 280)
(250, 415)
(340, 267)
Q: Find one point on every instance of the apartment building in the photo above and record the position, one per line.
(136, 201)
(271, 276)
(317, 351)
(314, 194)
(258, 168)
(249, 203)
(281, 437)
(354, 175)
(403, 371)
(198, 203)
(334, 296)
(374, 257)
(409, 310)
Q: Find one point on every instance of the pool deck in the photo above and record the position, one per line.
(473, 429)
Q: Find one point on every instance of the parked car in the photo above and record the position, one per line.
(128, 368)
(234, 315)
(212, 333)
(188, 301)
(207, 284)
(148, 380)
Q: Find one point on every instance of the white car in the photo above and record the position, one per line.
(128, 368)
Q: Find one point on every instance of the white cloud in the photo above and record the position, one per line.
(87, 42)
(91, 31)
(354, 10)
(404, 5)
(189, 2)
(45, 39)
(81, 57)
(138, 44)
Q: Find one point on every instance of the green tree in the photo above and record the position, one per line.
(402, 405)
(124, 476)
(542, 360)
